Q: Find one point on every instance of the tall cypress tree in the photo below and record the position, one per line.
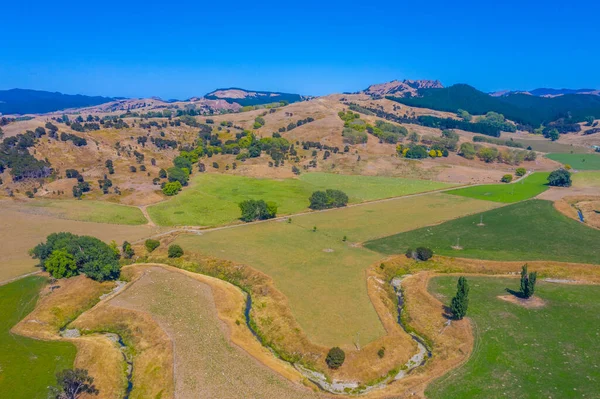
(460, 302)
(528, 281)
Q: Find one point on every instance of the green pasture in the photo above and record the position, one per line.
(550, 352)
(586, 179)
(529, 230)
(27, 366)
(88, 211)
(526, 188)
(322, 275)
(578, 161)
(212, 199)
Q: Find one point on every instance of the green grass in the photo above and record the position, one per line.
(526, 188)
(89, 211)
(578, 161)
(212, 199)
(551, 352)
(27, 366)
(530, 230)
(322, 276)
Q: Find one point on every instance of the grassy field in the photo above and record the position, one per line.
(526, 188)
(321, 275)
(530, 230)
(586, 179)
(22, 228)
(27, 366)
(88, 211)
(578, 161)
(549, 352)
(549, 146)
(207, 365)
(212, 199)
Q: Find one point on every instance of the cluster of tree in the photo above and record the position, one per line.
(387, 132)
(67, 255)
(416, 151)
(166, 113)
(163, 143)
(420, 253)
(560, 178)
(178, 176)
(257, 210)
(328, 199)
(493, 154)
(14, 154)
(149, 125)
(259, 122)
(497, 121)
(492, 140)
(293, 125)
(448, 141)
(76, 140)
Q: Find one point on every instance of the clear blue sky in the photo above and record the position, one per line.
(180, 49)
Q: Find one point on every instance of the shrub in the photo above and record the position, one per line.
(127, 250)
(506, 178)
(381, 352)
(171, 188)
(335, 358)
(521, 172)
(151, 244)
(175, 251)
(560, 178)
(423, 253)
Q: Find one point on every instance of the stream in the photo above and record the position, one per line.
(352, 387)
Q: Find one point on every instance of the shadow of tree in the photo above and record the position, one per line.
(447, 312)
(517, 294)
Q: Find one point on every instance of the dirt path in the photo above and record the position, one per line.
(144, 209)
(202, 229)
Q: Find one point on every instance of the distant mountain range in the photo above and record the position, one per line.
(526, 109)
(24, 101)
(545, 92)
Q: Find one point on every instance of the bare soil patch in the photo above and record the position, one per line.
(532, 303)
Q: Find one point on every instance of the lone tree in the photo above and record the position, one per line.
(460, 302)
(527, 282)
(560, 178)
(175, 251)
(73, 384)
(335, 358)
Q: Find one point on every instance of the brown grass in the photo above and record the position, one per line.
(531, 303)
(588, 204)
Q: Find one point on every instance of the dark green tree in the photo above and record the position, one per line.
(528, 281)
(128, 252)
(151, 244)
(175, 251)
(560, 178)
(460, 302)
(335, 358)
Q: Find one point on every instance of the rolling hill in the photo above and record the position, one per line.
(252, 97)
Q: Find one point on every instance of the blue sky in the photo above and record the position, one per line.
(183, 49)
